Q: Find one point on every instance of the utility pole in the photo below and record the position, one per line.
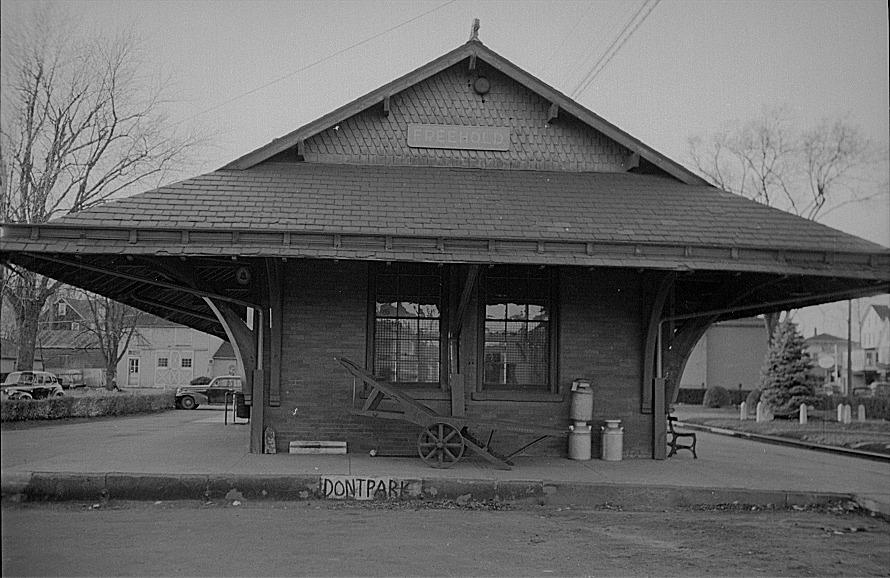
(849, 388)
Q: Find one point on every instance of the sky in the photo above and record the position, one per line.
(250, 71)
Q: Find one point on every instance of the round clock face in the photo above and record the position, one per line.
(481, 85)
(242, 275)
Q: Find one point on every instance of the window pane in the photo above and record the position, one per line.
(407, 309)
(407, 333)
(496, 311)
(429, 329)
(515, 311)
(386, 307)
(495, 331)
(537, 312)
(386, 329)
(517, 341)
(427, 309)
(386, 354)
(407, 372)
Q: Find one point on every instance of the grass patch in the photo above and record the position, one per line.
(871, 435)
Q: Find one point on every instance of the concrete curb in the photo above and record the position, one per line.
(75, 486)
(785, 442)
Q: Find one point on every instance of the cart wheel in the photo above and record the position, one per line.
(440, 445)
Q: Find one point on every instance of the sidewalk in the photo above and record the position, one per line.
(192, 455)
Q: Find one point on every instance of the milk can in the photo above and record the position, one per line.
(582, 401)
(613, 440)
(579, 441)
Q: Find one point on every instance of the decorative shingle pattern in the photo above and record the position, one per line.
(469, 204)
(448, 98)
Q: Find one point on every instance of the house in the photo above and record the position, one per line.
(472, 234)
(224, 362)
(165, 354)
(875, 332)
(8, 355)
(830, 357)
(730, 354)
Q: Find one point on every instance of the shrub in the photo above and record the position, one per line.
(102, 404)
(201, 380)
(690, 396)
(716, 396)
(752, 399)
(785, 379)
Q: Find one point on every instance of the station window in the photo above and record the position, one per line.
(163, 362)
(518, 326)
(407, 318)
(186, 362)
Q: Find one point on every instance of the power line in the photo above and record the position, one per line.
(317, 62)
(607, 56)
(602, 38)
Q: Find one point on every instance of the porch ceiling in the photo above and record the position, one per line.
(174, 287)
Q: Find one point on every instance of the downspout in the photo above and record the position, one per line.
(257, 411)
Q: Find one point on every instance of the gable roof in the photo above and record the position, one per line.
(827, 338)
(883, 311)
(473, 51)
(224, 351)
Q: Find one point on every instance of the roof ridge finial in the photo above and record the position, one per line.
(474, 31)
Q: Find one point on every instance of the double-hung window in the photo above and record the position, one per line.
(407, 345)
(518, 346)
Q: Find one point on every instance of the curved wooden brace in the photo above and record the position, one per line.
(665, 285)
(241, 338)
(675, 359)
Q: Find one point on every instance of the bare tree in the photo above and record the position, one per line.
(113, 325)
(807, 172)
(81, 123)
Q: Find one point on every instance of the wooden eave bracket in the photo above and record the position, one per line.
(553, 113)
(632, 161)
(473, 62)
(386, 105)
(301, 150)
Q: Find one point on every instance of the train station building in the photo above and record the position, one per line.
(467, 234)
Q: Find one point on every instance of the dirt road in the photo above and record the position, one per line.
(350, 539)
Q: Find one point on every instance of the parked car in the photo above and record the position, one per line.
(31, 385)
(863, 392)
(191, 396)
(880, 388)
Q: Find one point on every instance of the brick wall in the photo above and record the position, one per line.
(325, 308)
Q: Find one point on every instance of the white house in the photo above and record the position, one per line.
(164, 354)
(876, 342)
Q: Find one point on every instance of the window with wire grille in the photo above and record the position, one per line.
(407, 318)
(518, 326)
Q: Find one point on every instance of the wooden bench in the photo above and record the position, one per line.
(676, 438)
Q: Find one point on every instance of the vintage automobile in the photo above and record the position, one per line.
(191, 396)
(31, 385)
(880, 388)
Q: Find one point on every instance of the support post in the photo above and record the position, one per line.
(659, 420)
(276, 312)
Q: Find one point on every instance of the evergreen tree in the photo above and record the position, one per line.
(786, 381)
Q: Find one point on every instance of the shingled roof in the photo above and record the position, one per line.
(468, 203)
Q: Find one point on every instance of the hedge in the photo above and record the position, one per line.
(875, 407)
(104, 404)
(696, 396)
